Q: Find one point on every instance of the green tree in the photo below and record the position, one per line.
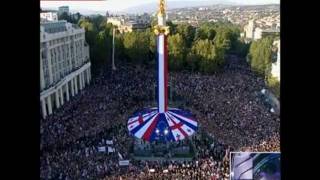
(152, 45)
(104, 47)
(90, 35)
(97, 21)
(192, 61)
(205, 31)
(65, 16)
(136, 45)
(241, 48)
(188, 32)
(99, 39)
(87, 25)
(172, 27)
(208, 55)
(176, 48)
(223, 38)
(78, 15)
(200, 34)
(274, 86)
(260, 53)
(119, 47)
(154, 21)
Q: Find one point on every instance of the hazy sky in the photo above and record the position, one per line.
(119, 5)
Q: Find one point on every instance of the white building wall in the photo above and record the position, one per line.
(249, 29)
(63, 57)
(114, 21)
(257, 34)
(275, 71)
(49, 16)
(63, 9)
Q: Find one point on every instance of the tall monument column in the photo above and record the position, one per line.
(162, 123)
(161, 30)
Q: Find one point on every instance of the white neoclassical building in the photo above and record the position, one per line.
(249, 29)
(63, 9)
(64, 64)
(275, 71)
(48, 16)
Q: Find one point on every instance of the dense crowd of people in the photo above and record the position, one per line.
(226, 105)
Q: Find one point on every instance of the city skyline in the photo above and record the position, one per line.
(123, 5)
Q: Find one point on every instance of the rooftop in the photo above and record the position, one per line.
(272, 31)
(54, 27)
(47, 11)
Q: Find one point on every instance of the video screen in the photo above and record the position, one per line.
(255, 165)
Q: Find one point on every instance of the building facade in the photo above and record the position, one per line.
(257, 33)
(142, 19)
(63, 9)
(64, 64)
(257, 29)
(275, 71)
(116, 21)
(249, 29)
(129, 24)
(132, 26)
(48, 16)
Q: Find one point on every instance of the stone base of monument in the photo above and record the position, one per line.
(163, 151)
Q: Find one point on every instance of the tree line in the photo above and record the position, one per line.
(261, 56)
(198, 49)
(190, 48)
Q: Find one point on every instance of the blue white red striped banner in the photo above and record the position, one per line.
(172, 125)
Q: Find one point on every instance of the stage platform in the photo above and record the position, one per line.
(163, 151)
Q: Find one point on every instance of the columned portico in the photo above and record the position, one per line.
(44, 108)
(67, 91)
(88, 74)
(57, 99)
(72, 87)
(83, 81)
(80, 81)
(49, 104)
(61, 96)
(61, 43)
(76, 84)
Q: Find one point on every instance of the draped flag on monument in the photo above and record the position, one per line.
(162, 123)
(173, 125)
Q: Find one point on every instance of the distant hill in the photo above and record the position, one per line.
(152, 7)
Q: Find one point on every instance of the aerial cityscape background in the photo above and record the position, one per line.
(141, 6)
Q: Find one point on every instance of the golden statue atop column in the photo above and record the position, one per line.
(162, 8)
(161, 28)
